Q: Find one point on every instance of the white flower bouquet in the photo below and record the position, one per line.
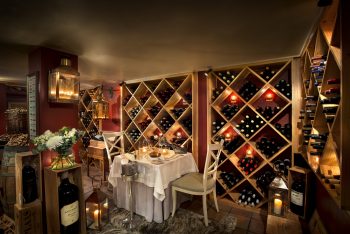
(61, 142)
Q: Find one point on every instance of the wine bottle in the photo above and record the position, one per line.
(330, 100)
(332, 91)
(68, 195)
(29, 186)
(297, 196)
(333, 81)
(329, 110)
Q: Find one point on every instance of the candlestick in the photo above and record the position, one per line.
(105, 205)
(277, 206)
(178, 134)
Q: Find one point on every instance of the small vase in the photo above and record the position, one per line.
(63, 161)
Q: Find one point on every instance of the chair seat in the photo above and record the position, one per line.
(193, 182)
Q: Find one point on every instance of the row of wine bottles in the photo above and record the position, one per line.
(285, 130)
(177, 112)
(227, 76)
(268, 146)
(165, 123)
(229, 110)
(248, 164)
(250, 124)
(285, 88)
(164, 95)
(268, 112)
(229, 179)
(134, 111)
(263, 181)
(144, 124)
(134, 134)
(154, 110)
(216, 126)
(282, 165)
(248, 197)
(248, 90)
(187, 123)
(126, 99)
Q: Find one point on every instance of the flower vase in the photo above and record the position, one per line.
(63, 160)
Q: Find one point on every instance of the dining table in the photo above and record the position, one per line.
(151, 189)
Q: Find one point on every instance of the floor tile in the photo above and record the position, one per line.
(242, 221)
(240, 231)
(257, 227)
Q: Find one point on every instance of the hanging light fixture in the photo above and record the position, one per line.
(64, 83)
(100, 108)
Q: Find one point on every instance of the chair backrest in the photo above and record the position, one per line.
(114, 144)
(211, 162)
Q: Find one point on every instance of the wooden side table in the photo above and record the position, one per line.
(97, 150)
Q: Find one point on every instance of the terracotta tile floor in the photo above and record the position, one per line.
(248, 220)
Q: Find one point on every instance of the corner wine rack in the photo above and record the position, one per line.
(154, 107)
(321, 121)
(251, 109)
(86, 122)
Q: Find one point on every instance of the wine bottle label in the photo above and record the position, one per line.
(70, 214)
(297, 198)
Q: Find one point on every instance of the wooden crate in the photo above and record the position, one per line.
(28, 219)
(293, 171)
(52, 180)
(35, 161)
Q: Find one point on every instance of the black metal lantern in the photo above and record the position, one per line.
(97, 210)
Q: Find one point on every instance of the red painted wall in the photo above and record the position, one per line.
(202, 120)
(111, 93)
(52, 116)
(3, 107)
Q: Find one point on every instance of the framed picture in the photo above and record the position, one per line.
(32, 104)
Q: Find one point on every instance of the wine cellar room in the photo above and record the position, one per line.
(194, 117)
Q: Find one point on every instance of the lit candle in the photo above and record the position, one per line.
(233, 98)
(269, 96)
(164, 151)
(277, 206)
(178, 134)
(87, 209)
(96, 212)
(144, 149)
(155, 137)
(227, 136)
(105, 205)
(249, 152)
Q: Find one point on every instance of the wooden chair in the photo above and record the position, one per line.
(114, 144)
(200, 184)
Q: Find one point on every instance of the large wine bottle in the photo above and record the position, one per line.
(30, 191)
(68, 195)
(297, 196)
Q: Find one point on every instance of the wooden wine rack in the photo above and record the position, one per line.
(249, 106)
(90, 127)
(145, 94)
(326, 41)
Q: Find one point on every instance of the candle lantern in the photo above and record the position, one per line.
(97, 210)
(278, 197)
(100, 108)
(63, 83)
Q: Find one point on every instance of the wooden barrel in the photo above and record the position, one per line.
(8, 179)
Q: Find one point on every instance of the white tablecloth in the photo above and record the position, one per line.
(151, 191)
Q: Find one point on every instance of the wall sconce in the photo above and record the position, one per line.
(269, 96)
(206, 73)
(64, 83)
(100, 108)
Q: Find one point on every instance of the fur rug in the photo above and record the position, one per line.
(184, 222)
